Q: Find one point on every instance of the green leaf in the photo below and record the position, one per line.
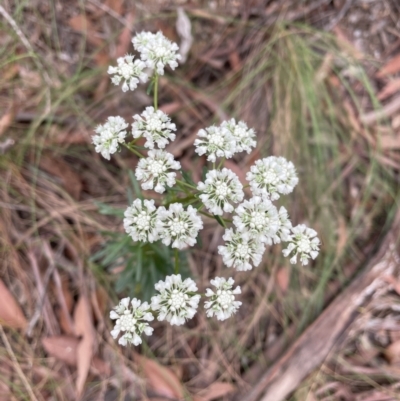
(220, 221)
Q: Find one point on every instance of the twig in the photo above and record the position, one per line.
(324, 335)
(17, 365)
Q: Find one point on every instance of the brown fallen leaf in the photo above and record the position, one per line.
(391, 88)
(84, 328)
(70, 180)
(115, 5)
(392, 353)
(7, 119)
(389, 141)
(391, 67)
(10, 312)
(80, 23)
(216, 390)
(65, 348)
(64, 311)
(283, 278)
(160, 378)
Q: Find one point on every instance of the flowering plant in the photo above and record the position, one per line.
(257, 222)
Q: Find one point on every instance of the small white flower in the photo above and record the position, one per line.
(153, 170)
(259, 217)
(177, 301)
(180, 226)
(272, 176)
(303, 242)
(241, 248)
(285, 226)
(131, 321)
(129, 72)
(219, 189)
(222, 303)
(141, 221)
(110, 135)
(156, 50)
(155, 126)
(243, 136)
(214, 142)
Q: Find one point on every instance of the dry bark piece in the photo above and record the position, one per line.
(321, 338)
(10, 312)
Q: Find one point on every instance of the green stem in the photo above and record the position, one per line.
(155, 91)
(221, 163)
(186, 184)
(134, 141)
(139, 155)
(176, 261)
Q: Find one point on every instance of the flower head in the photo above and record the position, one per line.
(219, 189)
(285, 225)
(155, 126)
(240, 250)
(243, 136)
(156, 50)
(153, 170)
(214, 142)
(222, 302)
(259, 217)
(141, 221)
(177, 301)
(131, 321)
(180, 226)
(272, 176)
(129, 72)
(303, 242)
(109, 136)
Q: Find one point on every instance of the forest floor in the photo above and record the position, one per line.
(319, 81)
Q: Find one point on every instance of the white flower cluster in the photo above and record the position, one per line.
(176, 303)
(131, 321)
(109, 136)
(129, 72)
(257, 221)
(220, 188)
(222, 302)
(155, 126)
(156, 51)
(226, 140)
(154, 170)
